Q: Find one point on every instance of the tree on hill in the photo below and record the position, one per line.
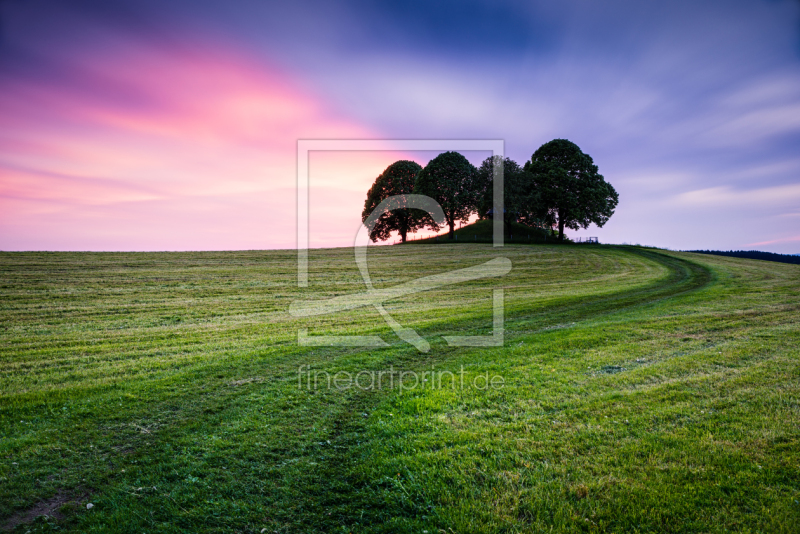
(396, 179)
(521, 200)
(570, 186)
(447, 179)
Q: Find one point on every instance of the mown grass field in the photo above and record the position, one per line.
(644, 391)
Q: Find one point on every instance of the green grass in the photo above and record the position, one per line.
(644, 391)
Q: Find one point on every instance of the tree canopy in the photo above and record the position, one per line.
(559, 186)
(448, 179)
(521, 201)
(569, 184)
(397, 179)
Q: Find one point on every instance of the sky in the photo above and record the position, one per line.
(173, 125)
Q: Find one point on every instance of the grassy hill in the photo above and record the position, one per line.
(482, 231)
(643, 391)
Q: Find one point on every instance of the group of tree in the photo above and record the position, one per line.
(559, 187)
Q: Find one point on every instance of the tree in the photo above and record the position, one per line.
(521, 200)
(447, 179)
(567, 180)
(396, 179)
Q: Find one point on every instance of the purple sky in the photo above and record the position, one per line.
(172, 125)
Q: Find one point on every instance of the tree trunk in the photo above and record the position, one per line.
(560, 229)
(403, 235)
(452, 224)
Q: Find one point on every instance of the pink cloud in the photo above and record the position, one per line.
(153, 150)
(781, 240)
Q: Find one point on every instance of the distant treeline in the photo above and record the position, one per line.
(753, 255)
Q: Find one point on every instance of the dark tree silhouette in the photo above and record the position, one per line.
(570, 186)
(448, 180)
(754, 255)
(521, 200)
(396, 179)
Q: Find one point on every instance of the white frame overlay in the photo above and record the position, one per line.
(304, 146)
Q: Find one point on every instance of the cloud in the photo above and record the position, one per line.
(726, 196)
(128, 109)
(148, 134)
(757, 111)
(773, 241)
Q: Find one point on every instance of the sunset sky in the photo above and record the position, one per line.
(173, 125)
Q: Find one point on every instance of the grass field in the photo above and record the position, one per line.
(643, 391)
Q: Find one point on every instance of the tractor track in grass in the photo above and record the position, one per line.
(684, 277)
(334, 494)
(343, 498)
